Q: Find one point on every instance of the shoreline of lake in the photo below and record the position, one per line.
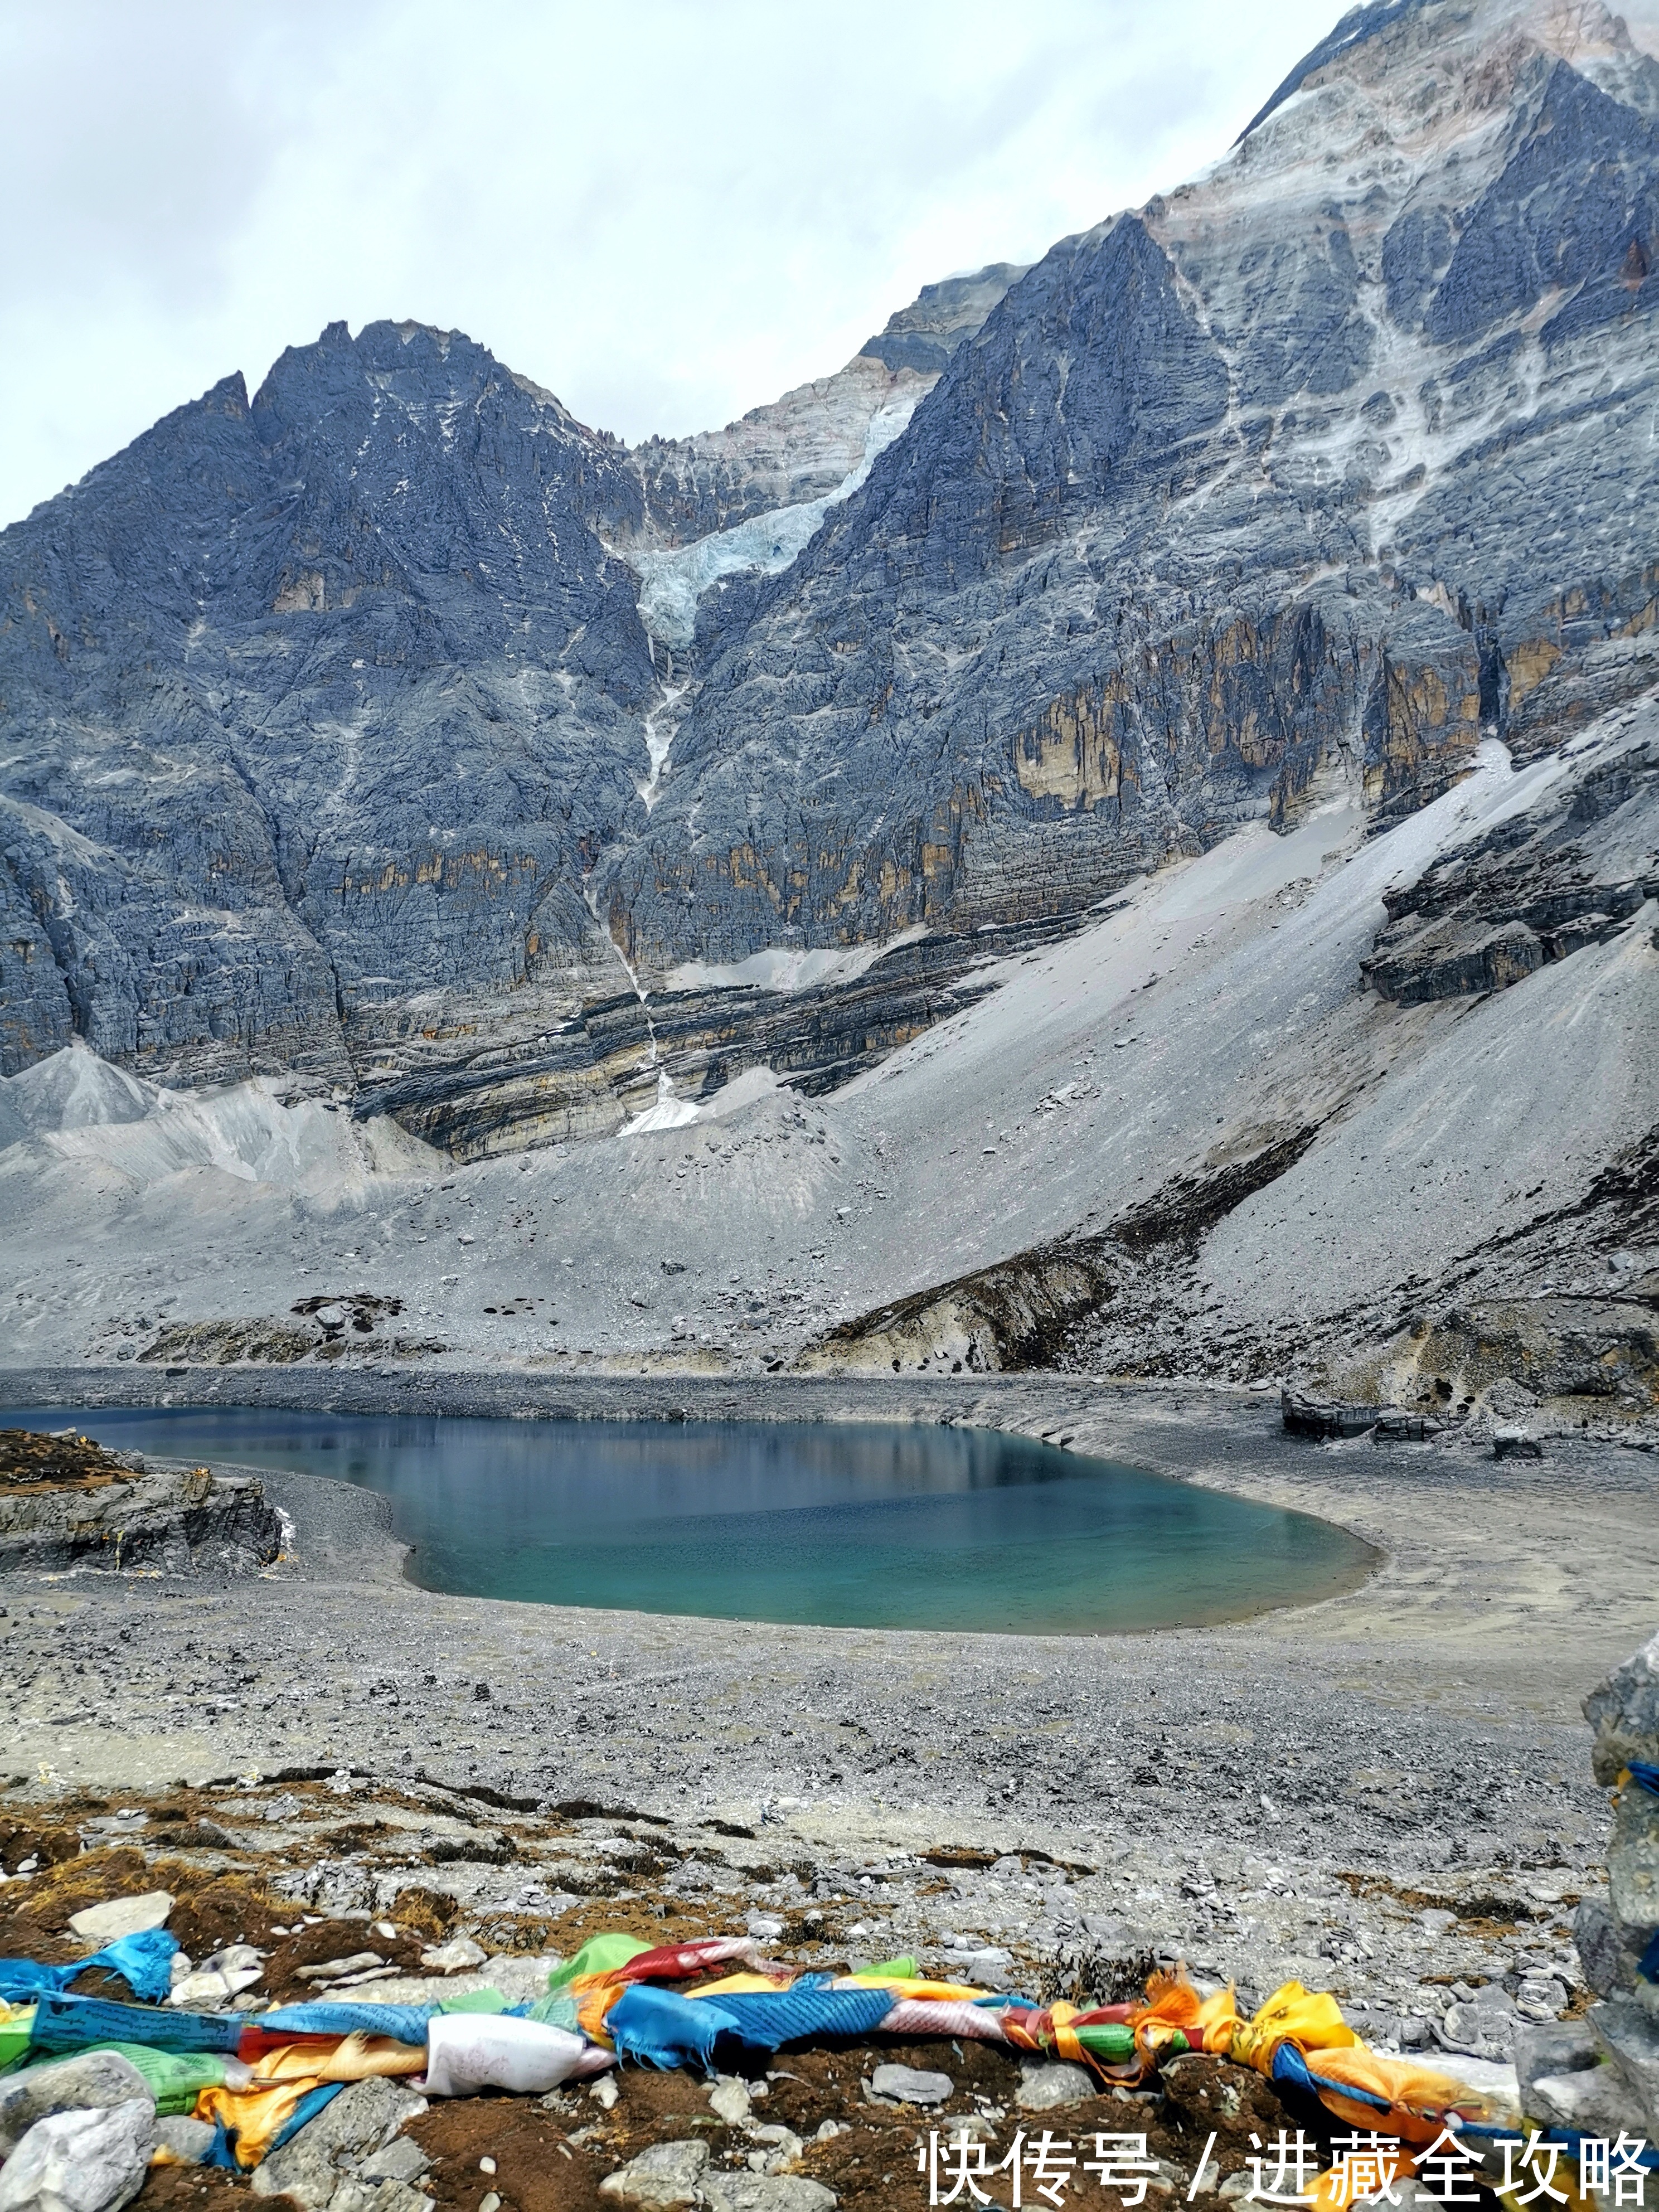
(1371, 1723)
(975, 1530)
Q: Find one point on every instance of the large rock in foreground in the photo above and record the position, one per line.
(117, 1512)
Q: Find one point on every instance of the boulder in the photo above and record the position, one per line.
(988, 1966)
(1629, 2037)
(909, 2085)
(356, 2195)
(92, 2080)
(766, 2192)
(668, 2173)
(181, 1521)
(1605, 1952)
(1515, 1444)
(1548, 2048)
(401, 2160)
(1485, 2027)
(311, 2165)
(121, 1916)
(184, 2142)
(1624, 1710)
(81, 2162)
(1049, 2088)
(1596, 2102)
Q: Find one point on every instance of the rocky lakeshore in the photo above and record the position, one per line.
(1386, 1795)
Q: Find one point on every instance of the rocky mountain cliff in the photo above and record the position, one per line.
(317, 707)
(391, 730)
(1335, 456)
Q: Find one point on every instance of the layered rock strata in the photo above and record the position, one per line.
(120, 1512)
(1575, 871)
(1229, 487)
(606, 1066)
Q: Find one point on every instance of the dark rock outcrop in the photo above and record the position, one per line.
(183, 1521)
(1035, 1309)
(603, 1066)
(923, 336)
(314, 704)
(1573, 872)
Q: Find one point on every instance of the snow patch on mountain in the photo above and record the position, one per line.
(789, 968)
(671, 581)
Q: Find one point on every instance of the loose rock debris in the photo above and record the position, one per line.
(248, 1875)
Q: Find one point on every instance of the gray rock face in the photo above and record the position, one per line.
(910, 2085)
(1051, 2088)
(1485, 2027)
(668, 2173)
(1167, 538)
(1550, 2050)
(181, 1521)
(766, 2192)
(1624, 1710)
(923, 336)
(1629, 2037)
(1593, 2101)
(93, 2081)
(1609, 1962)
(311, 2165)
(603, 1066)
(314, 702)
(325, 711)
(1575, 871)
(189, 2141)
(803, 446)
(401, 2160)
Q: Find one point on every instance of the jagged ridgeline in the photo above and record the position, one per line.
(338, 746)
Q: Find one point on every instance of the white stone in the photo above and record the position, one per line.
(85, 2162)
(121, 1916)
(668, 2173)
(454, 1957)
(729, 2100)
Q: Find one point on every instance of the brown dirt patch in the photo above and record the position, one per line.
(31, 1462)
(427, 1911)
(329, 1940)
(200, 2189)
(21, 1839)
(536, 2168)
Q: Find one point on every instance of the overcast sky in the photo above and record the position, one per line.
(667, 211)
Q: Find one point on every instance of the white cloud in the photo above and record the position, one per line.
(665, 210)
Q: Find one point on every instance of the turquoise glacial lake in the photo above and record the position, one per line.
(850, 1524)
